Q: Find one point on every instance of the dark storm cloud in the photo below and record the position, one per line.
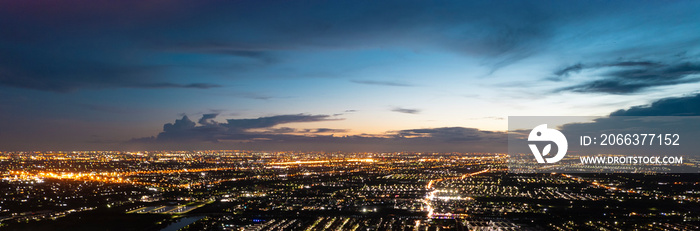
(632, 77)
(405, 110)
(683, 106)
(260, 134)
(382, 83)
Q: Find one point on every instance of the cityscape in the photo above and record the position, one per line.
(256, 115)
(246, 190)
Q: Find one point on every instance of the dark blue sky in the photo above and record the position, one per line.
(390, 75)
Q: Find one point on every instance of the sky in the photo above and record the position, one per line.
(332, 75)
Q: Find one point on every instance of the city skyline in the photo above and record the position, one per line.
(318, 76)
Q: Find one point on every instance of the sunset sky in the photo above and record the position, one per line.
(286, 75)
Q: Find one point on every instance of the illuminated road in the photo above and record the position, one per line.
(432, 195)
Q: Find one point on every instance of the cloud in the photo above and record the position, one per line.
(224, 49)
(382, 83)
(579, 66)
(632, 77)
(261, 134)
(233, 129)
(681, 106)
(173, 85)
(63, 76)
(406, 110)
(80, 44)
(329, 130)
(183, 124)
(252, 95)
(266, 122)
(451, 134)
(566, 70)
(282, 130)
(208, 119)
